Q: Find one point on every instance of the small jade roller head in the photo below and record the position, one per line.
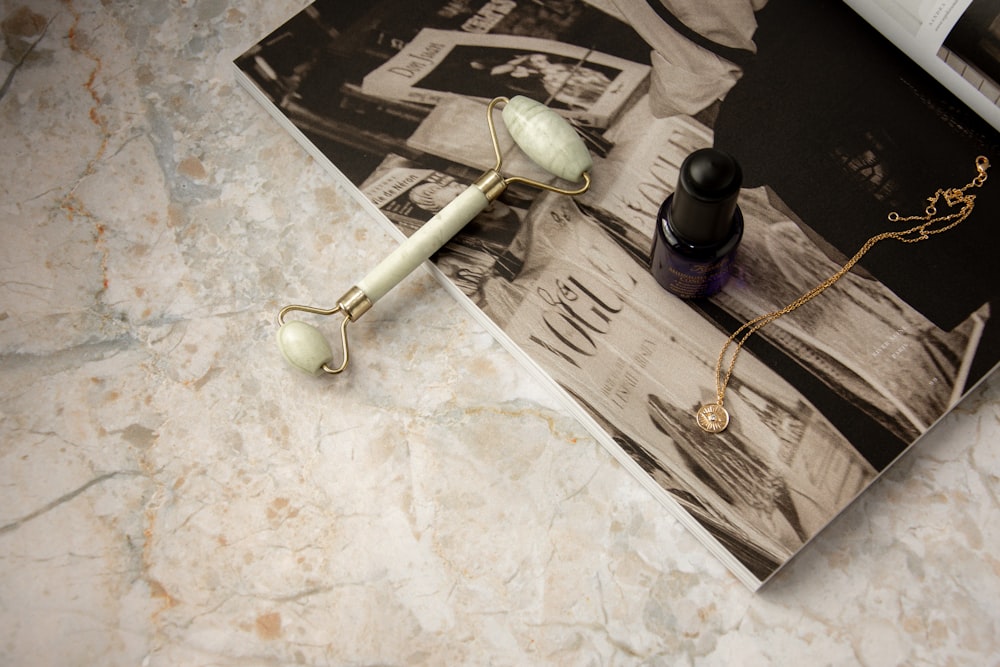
(547, 138)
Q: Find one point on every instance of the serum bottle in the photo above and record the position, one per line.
(699, 226)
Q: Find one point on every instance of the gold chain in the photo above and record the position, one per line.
(713, 417)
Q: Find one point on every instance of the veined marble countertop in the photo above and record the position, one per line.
(172, 494)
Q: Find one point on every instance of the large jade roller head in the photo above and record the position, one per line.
(541, 133)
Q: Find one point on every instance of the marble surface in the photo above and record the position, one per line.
(172, 494)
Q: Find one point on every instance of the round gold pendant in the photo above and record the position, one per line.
(713, 418)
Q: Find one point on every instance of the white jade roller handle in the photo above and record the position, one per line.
(427, 240)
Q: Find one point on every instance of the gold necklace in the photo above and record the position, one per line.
(713, 417)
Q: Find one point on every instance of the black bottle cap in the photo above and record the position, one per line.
(704, 203)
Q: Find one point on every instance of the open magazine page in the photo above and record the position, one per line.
(956, 41)
(831, 139)
(583, 84)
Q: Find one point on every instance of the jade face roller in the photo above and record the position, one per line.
(541, 133)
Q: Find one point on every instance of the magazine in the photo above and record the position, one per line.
(834, 128)
(956, 41)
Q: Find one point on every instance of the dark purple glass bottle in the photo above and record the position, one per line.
(699, 227)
